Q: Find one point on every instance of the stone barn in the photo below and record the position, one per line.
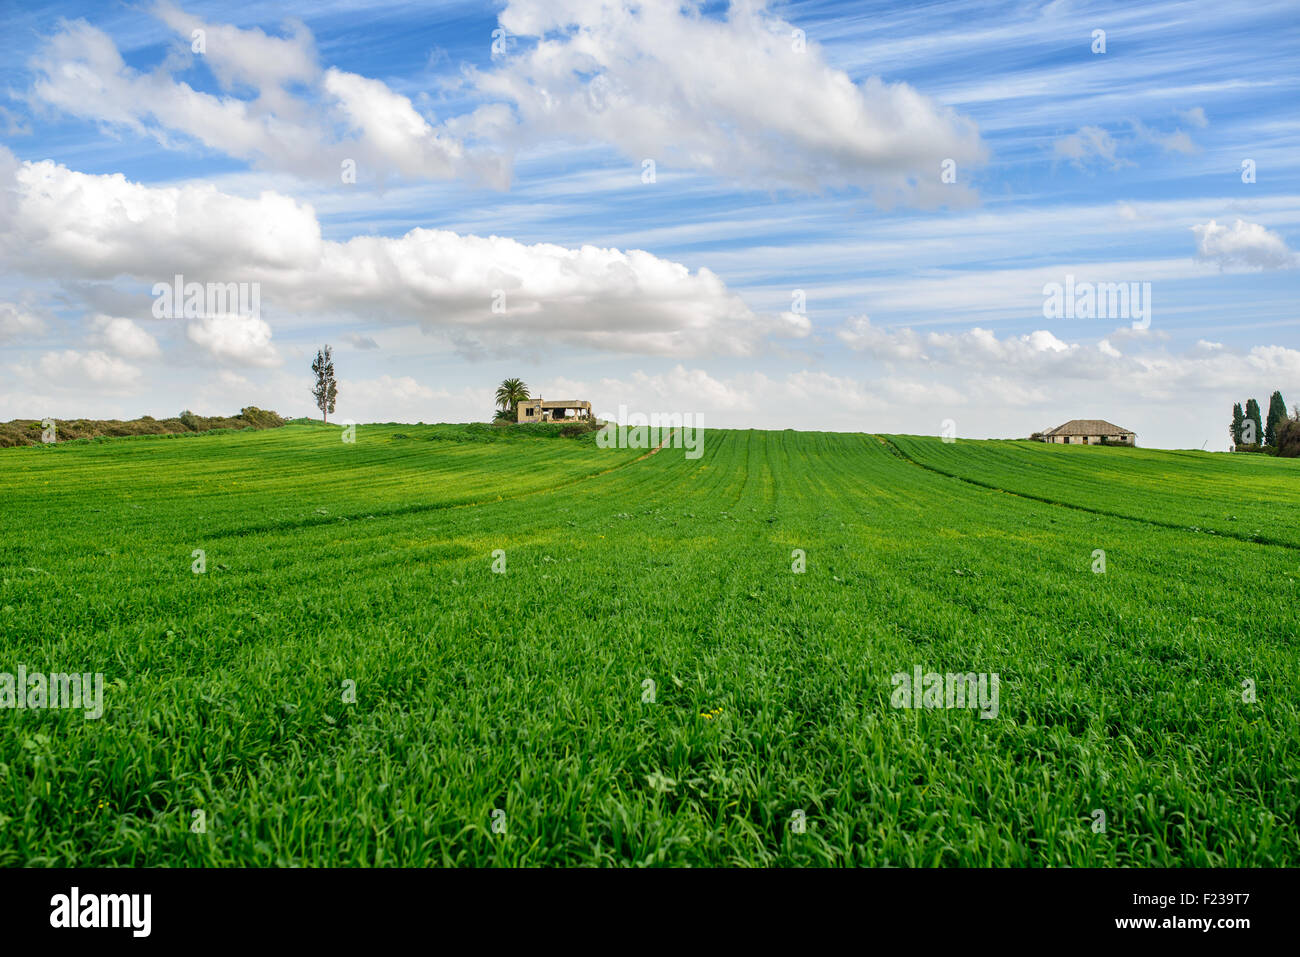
(1089, 432)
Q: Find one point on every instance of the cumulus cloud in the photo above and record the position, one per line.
(72, 368)
(16, 323)
(123, 337)
(403, 398)
(1010, 385)
(300, 118)
(243, 340)
(742, 96)
(486, 293)
(975, 345)
(399, 388)
(861, 336)
(1242, 245)
(1032, 367)
(64, 223)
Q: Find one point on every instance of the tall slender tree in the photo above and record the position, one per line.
(1238, 418)
(327, 388)
(1253, 431)
(1276, 416)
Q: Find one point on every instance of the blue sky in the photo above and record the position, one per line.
(802, 261)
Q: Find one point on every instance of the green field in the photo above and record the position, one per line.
(523, 692)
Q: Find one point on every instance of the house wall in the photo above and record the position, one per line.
(1093, 439)
(541, 414)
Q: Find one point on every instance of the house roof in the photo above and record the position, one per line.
(559, 403)
(1088, 427)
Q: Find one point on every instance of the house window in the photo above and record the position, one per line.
(529, 412)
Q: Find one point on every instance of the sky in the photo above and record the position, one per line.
(817, 215)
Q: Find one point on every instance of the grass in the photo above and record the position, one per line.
(1211, 492)
(522, 692)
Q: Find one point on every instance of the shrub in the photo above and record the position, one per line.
(574, 429)
(28, 431)
(260, 418)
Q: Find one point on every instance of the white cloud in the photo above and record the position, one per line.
(389, 398)
(244, 340)
(248, 57)
(730, 96)
(1091, 142)
(75, 369)
(1095, 144)
(392, 131)
(123, 337)
(1034, 367)
(1131, 334)
(16, 323)
(1176, 142)
(1242, 245)
(1001, 386)
(400, 389)
(861, 336)
(300, 118)
(974, 345)
(73, 225)
(64, 223)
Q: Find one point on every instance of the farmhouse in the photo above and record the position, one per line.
(551, 410)
(1089, 432)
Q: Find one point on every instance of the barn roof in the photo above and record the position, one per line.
(1088, 427)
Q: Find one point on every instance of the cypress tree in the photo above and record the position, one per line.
(1276, 416)
(1253, 432)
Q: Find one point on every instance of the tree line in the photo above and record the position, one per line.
(1277, 433)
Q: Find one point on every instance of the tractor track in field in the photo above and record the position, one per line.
(1251, 539)
(420, 507)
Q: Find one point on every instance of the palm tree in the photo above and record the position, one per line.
(509, 394)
